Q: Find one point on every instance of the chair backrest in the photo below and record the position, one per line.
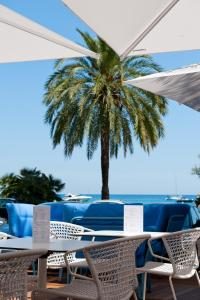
(112, 265)
(63, 230)
(182, 251)
(13, 273)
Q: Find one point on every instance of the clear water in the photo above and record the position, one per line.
(142, 198)
(134, 198)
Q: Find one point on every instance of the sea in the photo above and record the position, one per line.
(139, 198)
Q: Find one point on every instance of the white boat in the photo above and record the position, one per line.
(111, 201)
(75, 198)
(178, 198)
(174, 197)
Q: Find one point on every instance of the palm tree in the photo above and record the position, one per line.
(30, 186)
(86, 98)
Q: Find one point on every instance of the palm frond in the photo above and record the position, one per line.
(86, 97)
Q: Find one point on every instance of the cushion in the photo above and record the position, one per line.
(72, 210)
(101, 216)
(97, 216)
(56, 212)
(20, 218)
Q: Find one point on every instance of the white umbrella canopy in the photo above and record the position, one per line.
(25, 40)
(121, 23)
(181, 85)
(177, 31)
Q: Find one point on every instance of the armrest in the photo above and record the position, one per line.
(151, 250)
(70, 270)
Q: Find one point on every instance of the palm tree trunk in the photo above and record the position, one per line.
(105, 164)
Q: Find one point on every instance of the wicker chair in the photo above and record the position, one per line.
(63, 230)
(32, 279)
(182, 261)
(112, 266)
(13, 273)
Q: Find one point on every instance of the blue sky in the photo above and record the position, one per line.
(26, 142)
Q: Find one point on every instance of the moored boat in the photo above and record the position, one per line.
(179, 198)
(75, 198)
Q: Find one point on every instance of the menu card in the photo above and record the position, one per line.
(41, 224)
(133, 218)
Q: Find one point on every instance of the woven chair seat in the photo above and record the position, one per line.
(78, 289)
(165, 269)
(78, 263)
(154, 267)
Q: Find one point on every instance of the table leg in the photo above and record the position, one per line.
(42, 272)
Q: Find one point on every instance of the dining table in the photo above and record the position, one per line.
(54, 245)
(119, 233)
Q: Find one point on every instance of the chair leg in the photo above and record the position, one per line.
(134, 295)
(172, 288)
(197, 277)
(60, 274)
(148, 286)
(70, 277)
(144, 287)
(74, 271)
(34, 268)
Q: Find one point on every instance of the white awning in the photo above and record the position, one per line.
(122, 23)
(182, 85)
(24, 40)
